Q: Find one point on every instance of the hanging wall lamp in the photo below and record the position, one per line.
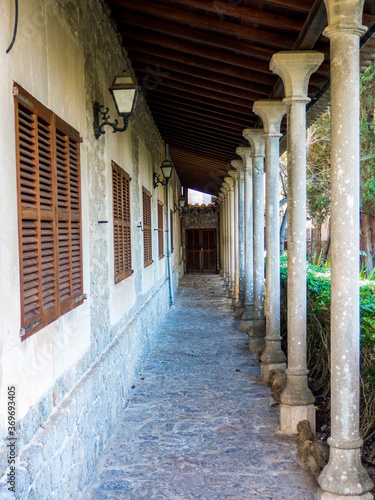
(181, 204)
(124, 93)
(166, 168)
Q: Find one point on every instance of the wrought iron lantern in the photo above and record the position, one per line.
(124, 93)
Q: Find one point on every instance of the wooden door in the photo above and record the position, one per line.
(201, 251)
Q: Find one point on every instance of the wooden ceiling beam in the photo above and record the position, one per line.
(146, 23)
(207, 86)
(298, 5)
(195, 158)
(248, 74)
(258, 16)
(201, 165)
(159, 68)
(192, 124)
(197, 168)
(221, 136)
(202, 120)
(204, 139)
(202, 148)
(210, 94)
(267, 38)
(197, 109)
(132, 38)
(211, 102)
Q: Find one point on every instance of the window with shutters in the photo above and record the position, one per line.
(147, 230)
(121, 223)
(49, 205)
(172, 247)
(160, 230)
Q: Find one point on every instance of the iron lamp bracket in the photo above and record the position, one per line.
(101, 119)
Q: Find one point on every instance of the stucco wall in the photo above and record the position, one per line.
(73, 376)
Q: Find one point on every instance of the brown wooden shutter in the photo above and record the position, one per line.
(172, 247)
(121, 223)
(160, 230)
(147, 230)
(49, 233)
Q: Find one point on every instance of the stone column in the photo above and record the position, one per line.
(247, 316)
(344, 476)
(220, 203)
(228, 184)
(238, 165)
(257, 143)
(225, 250)
(236, 286)
(271, 113)
(295, 69)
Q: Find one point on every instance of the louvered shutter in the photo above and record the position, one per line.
(160, 230)
(68, 236)
(48, 171)
(147, 230)
(121, 223)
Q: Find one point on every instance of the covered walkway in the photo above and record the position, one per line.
(200, 424)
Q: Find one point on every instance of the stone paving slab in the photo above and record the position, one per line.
(199, 424)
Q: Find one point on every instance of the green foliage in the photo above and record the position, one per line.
(318, 169)
(318, 155)
(367, 125)
(318, 336)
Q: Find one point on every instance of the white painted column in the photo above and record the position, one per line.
(295, 69)
(271, 113)
(247, 316)
(236, 281)
(344, 476)
(238, 165)
(257, 143)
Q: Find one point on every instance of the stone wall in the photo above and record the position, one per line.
(74, 376)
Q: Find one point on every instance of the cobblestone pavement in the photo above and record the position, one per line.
(199, 424)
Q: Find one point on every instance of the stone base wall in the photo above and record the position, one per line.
(60, 459)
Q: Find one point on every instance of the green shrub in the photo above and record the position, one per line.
(318, 337)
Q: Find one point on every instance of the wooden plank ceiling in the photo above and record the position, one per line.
(202, 64)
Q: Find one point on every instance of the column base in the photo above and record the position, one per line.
(246, 325)
(266, 368)
(257, 336)
(259, 327)
(344, 476)
(256, 344)
(238, 310)
(324, 495)
(230, 294)
(247, 318)
(290, 416)
(234, 300)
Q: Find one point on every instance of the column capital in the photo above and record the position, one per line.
(229, 181)
(256, 140)
(238, 165)
(245, 153)
(234, 175)
(344, 16)
(224, 189)
(295, 69)
(271, 111)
